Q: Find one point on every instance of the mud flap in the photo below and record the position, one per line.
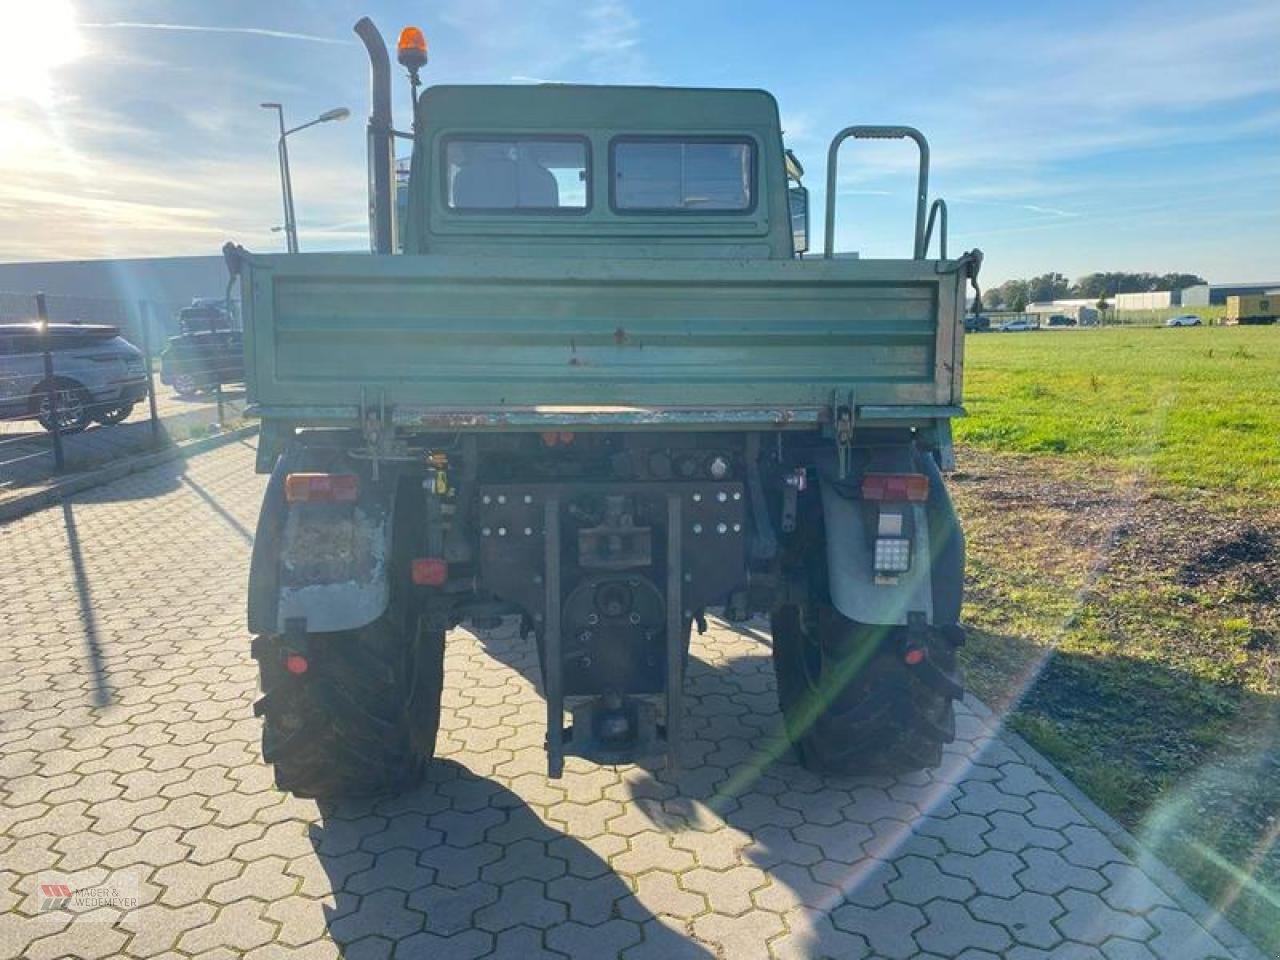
(325, 563)
(933, 584)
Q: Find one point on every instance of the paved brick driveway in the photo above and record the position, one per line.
(128, 753)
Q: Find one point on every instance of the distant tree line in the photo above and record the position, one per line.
(1016, 294)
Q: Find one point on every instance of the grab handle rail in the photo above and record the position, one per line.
(922, 186)
(936, 210)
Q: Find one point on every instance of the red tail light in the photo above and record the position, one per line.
(430, 571)
(321, 487)
(895, 486)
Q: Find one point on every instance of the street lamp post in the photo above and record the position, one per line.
(282, 149)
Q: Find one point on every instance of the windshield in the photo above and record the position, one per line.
(683, 175)
(516, 174)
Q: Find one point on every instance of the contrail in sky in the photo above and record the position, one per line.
(194, 28)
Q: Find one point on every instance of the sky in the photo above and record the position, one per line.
(1073, 137)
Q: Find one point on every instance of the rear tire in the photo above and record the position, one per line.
(74, 404)
(186, 386)
(851, 703)
(361, 720)
(114, 414)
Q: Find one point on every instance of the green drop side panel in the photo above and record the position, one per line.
(477, 334)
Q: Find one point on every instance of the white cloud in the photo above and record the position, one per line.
(199, 28)
(611, 29)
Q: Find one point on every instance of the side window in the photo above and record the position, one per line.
(682, 175)
(496, 175)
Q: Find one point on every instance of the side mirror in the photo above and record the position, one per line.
(798, 199)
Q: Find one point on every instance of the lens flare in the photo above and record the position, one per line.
(35, 40)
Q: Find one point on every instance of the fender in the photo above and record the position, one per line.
(323, 563)
(932, 587)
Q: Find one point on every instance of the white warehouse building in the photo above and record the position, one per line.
(1149, 300)
(1082, 310)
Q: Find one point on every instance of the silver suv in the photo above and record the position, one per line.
(98, 374)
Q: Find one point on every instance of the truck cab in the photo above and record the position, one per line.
(598, 172)
(602, 391)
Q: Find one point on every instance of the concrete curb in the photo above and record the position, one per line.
(1168, 881)
(25, 504)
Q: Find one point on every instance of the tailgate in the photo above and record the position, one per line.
(429, 335)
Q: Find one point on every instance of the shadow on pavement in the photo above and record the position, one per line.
(463, 866)
(222, 512)
(734, 757)
(88, 620)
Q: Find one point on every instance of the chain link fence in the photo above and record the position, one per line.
(88, 380)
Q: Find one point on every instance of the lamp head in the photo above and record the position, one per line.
(411, 50)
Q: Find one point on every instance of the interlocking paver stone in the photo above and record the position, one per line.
(1089, 920)
(521, 902)
(738, 854)
(887, 929)
(810, 933)
(1047, 872)
(952, 929)
(920, 880)
(1028, 916)
(239, 926)
(1131, 889)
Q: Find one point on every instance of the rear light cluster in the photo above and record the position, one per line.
(321, 488)
(895, 486)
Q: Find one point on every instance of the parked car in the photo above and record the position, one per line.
(97, 374)
(1016, 326)
(208, 350)
(1183, 320)
(1060, 320)
(976, 323)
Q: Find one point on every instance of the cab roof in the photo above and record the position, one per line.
(569, 107)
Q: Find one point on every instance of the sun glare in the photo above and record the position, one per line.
(36, 37)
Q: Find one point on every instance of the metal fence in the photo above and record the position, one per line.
(74, 397)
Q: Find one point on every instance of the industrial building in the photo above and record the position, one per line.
(109, 291)
(1083, 311)
(1148, 300)
(1215, 294)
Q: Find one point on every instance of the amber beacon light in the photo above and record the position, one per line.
(411, 50)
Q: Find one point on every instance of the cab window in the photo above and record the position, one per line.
(504, 174)
(682, 175)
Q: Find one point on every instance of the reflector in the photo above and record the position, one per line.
(430, 571)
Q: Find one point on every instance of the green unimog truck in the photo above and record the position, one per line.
(602, 390)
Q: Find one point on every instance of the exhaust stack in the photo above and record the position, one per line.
(382, 207)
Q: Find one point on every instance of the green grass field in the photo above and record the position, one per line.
(1120, 491)
(1196, 407)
